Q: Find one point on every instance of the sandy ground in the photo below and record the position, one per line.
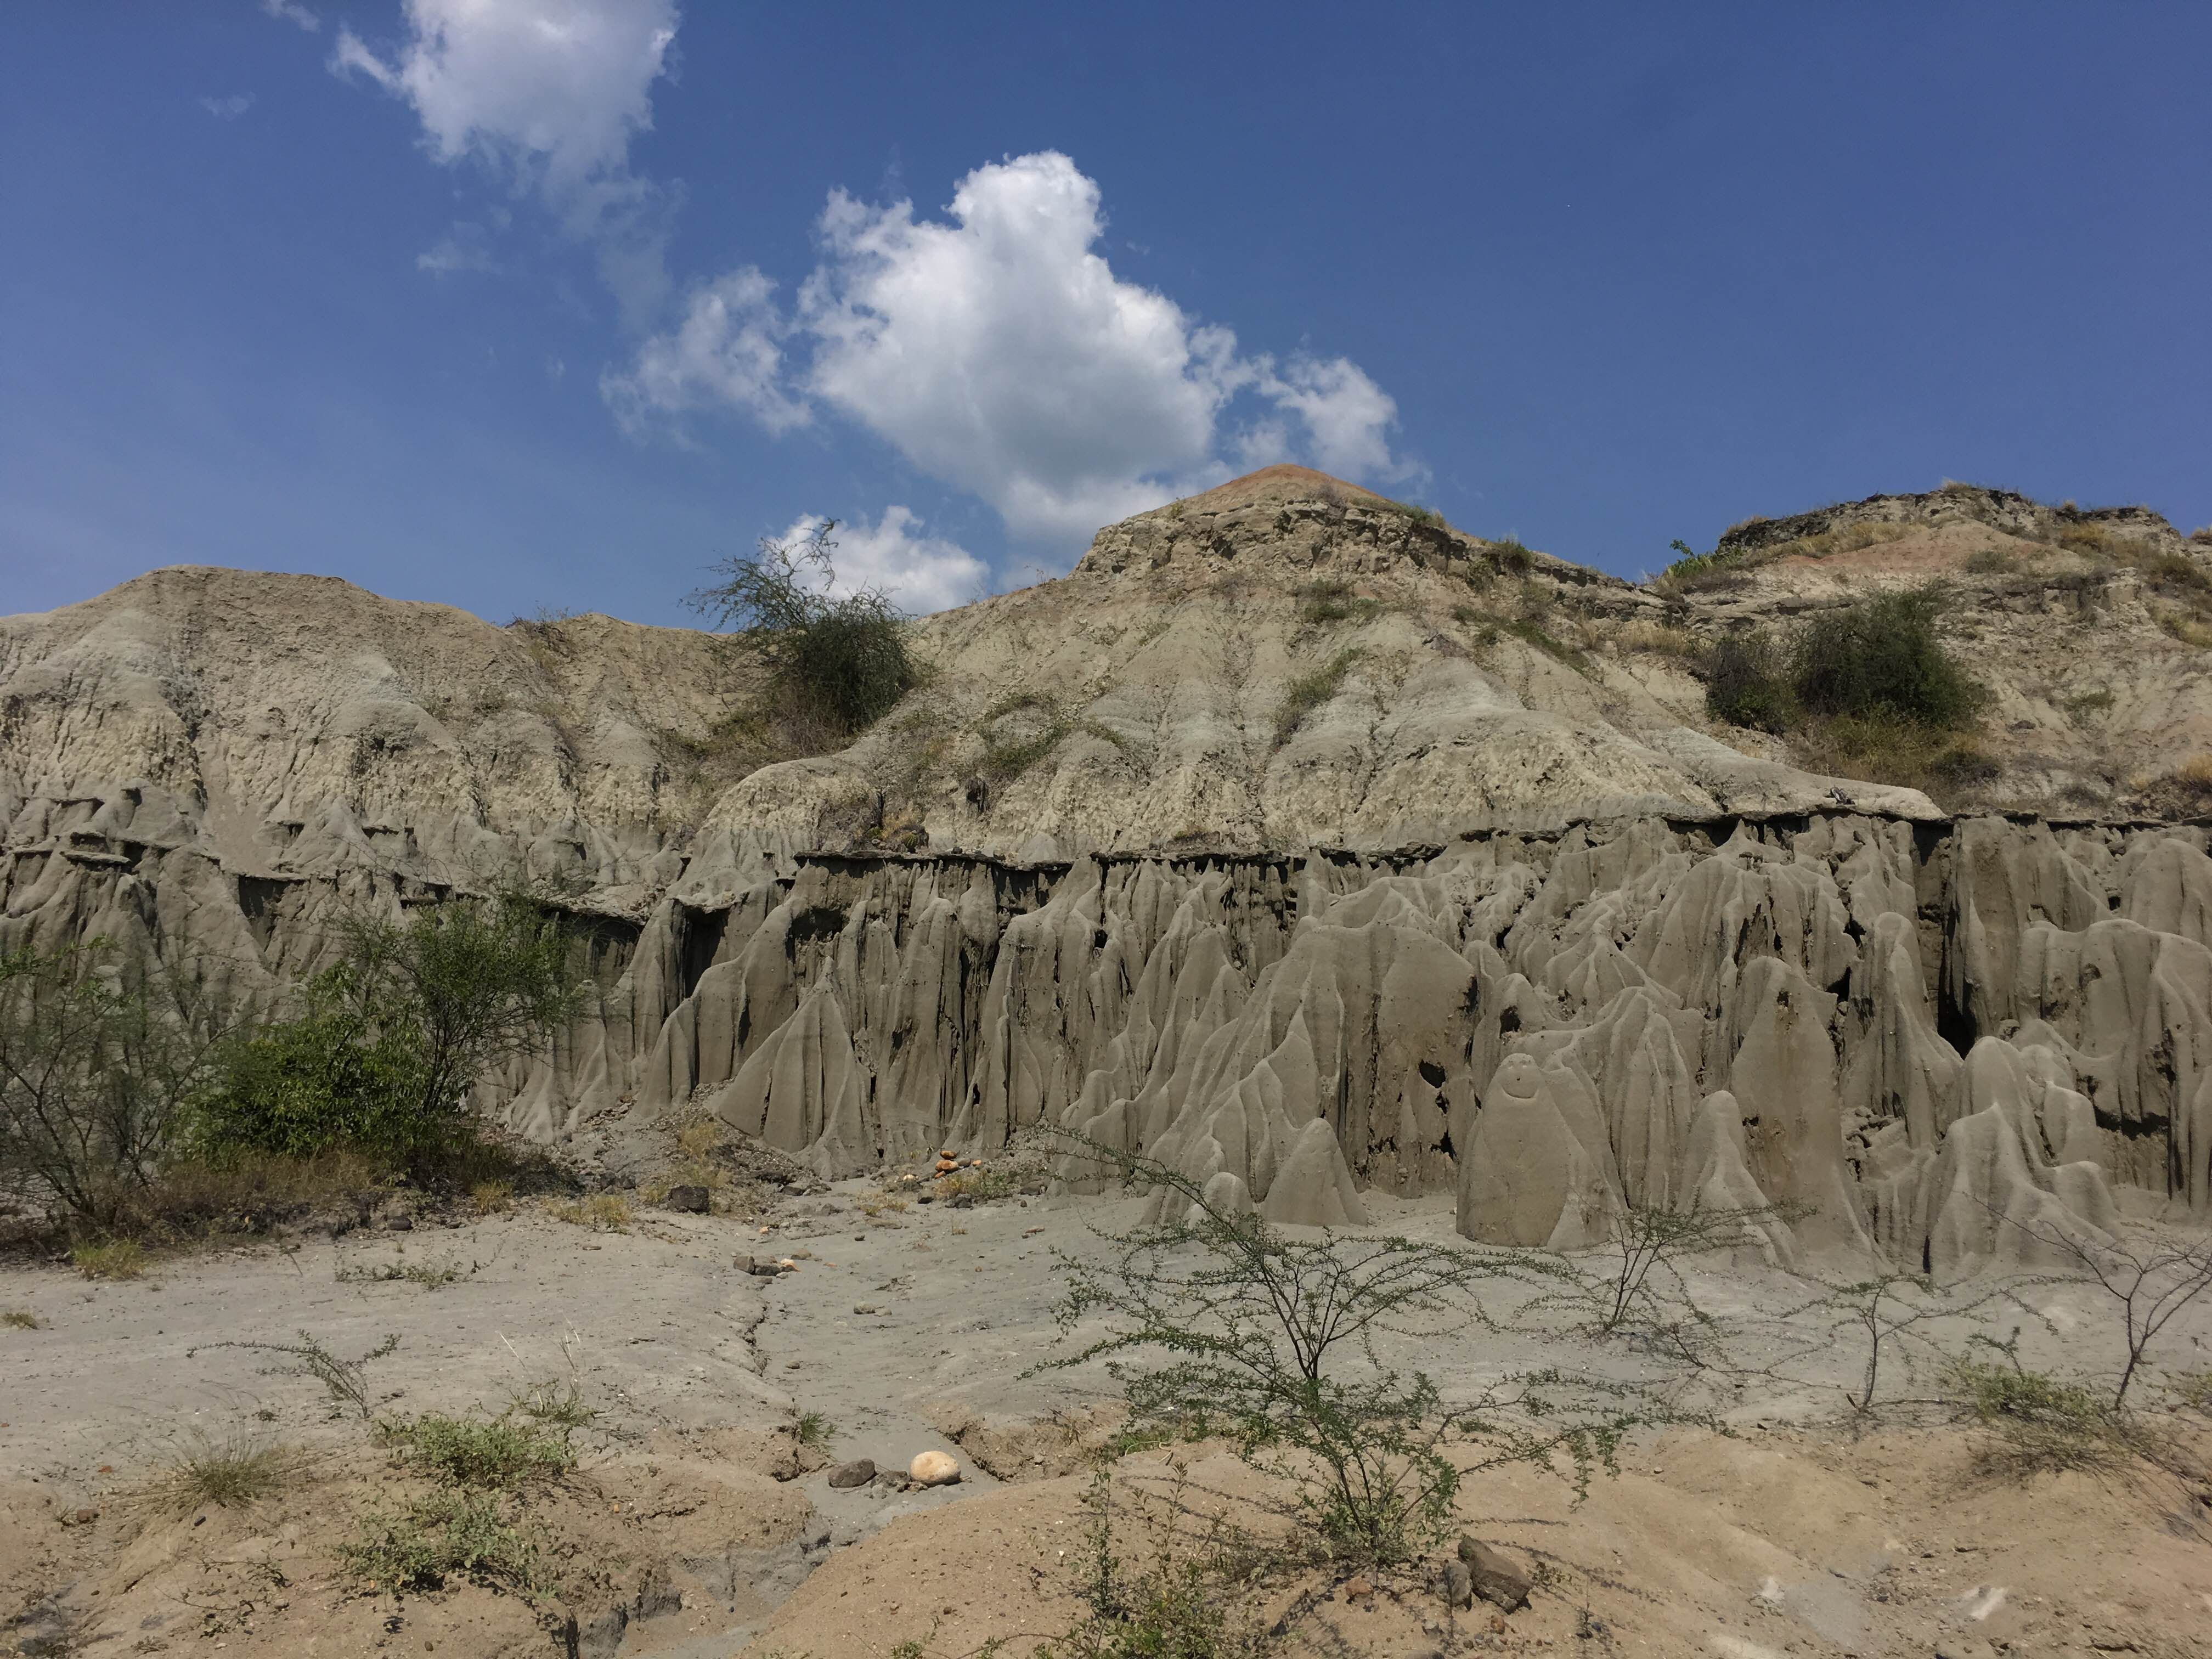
(698, 1524)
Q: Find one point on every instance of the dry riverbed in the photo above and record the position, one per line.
(701, 1519)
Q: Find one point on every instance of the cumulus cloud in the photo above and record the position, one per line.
(996, 349)
(919, 573)
(291, 11)
(546, 95)
(727, 352)
(230, 109)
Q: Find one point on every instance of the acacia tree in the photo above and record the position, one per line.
(842, 654)
(1274, 1340)
(102, 1058)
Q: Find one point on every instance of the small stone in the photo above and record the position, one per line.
(400, 1221)
(947, 1154)
(933, 1469)
(1458, 1585)
(787, 1266)
(1357, 1589)
(1964, 1647)
(1497, 1579)
(690, 1199)
(863, 1307)
(761, 1266)
(858, 1472)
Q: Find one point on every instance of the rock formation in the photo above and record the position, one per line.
(1307, 894)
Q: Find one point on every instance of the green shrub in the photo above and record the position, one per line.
(396, 1034)
(496, 1454)
(1882, 658)
(844, 655)
(2038, 1425)
(1511, 557)
(1746, 683)
(450, 1533)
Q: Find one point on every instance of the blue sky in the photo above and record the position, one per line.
(547, 303)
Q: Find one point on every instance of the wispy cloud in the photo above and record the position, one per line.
(230, 109)
(545, 95)
(291, 11)
(465, 247)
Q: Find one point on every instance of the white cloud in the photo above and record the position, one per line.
(547, 94)
(996, 349)
(999, 353)
(919, 573)
(1347, 417)
(465, 247)
(291, 11)
(230, 109)
(727, 352)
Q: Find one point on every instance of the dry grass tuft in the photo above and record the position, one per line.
(114, 1258)
(492, 1197)
(22, 1319)
(603, 1213)
(233, 1474)
(1659, 639)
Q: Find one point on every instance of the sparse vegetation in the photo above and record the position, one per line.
(814, 1431)
(492, 1197)
(1991, 561)
(396, 1034)
(602, 1213)
(1530, 632)
(346, 1381)
(1413, 510)
(1730, 562)
(2084, 706)
(2038, 1425)
(1660, 639)
(1892, 1313)
(430, 1275)
(1008, 753)
(1866, 690)
(103, 1058)
(447, 1533)
(22, 1319)
(1185, 1596)
(1511, 557)
(1273, 1339)
(1333, 601)
(231, 1473)
(1309, 691)
(843, 656)
(560, 1403)
(496, 1455)
(1634, 1283)
(112, 1258)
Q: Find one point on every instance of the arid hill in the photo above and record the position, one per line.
(1294, 837)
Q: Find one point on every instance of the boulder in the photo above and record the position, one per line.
(933, 1469)
(1497, 1579)
(858, 1472)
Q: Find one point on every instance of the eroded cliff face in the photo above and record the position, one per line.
(1496, 915)
(1928, 1033)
